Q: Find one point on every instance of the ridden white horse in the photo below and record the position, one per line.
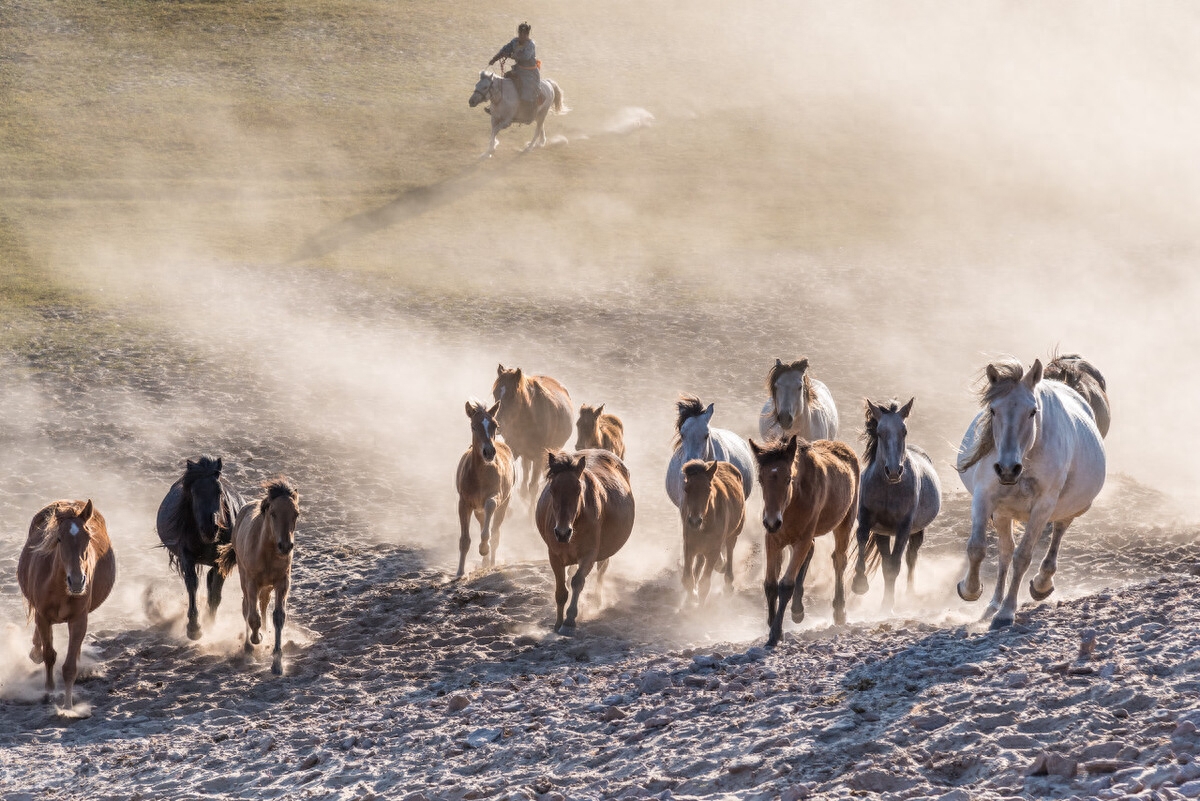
(696, 440)
(800, 405)
(501, 93)
(1034, 456)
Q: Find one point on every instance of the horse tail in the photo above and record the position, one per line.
(560, 106)
(873, 556)
(226, 560)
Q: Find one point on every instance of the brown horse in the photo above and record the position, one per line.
(264, 536)
(484, 482)
(535, 413)
(585, 515)
(66, 570)
(596, 429)
(809, 489)
(713, 512)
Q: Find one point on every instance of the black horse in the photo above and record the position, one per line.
(197, 516)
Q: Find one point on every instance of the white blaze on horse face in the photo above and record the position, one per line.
(74, 529)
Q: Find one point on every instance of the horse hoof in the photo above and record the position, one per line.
(194, 631)
(36, 655)
(860, 585)
(483, 549)
(797, 613)
(1000, 622)
(247, 647)
(1039, 596)
(256, 638)
(966, 596)
(277, 666)
(566, 631)
(839, 617)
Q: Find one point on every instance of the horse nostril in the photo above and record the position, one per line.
(996, 467)
(1016, 470)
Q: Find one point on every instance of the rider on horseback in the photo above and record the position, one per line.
(527, 73)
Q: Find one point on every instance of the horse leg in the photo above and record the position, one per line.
(706, 571)
(771, 578)
(249, 598)
(485, 535)
(216, 582)
(598, 598)
(798, 593)
(1041, 585)
(577, 582)
(910, 555)
(254, 618)
(1004, 543)
(192, 581)
(891, 565)
(76, 629)
(278, 617)
(35, 653)
(787, 585)
(1038, 517)
(865, 520)
(493, 141)
(970, 588)
(841, 548)
(501, 511)
(49, 655)
(730, 541)
(464, 538)
(688, 576)
(560, 591)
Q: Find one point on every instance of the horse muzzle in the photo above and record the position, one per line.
(772, 524)
(694, 521)
(286, 547)
(77, 587)
(489, 454)
(475, 100)
(893, 479)
(1009, 474)
(785, 420)
(562, 533)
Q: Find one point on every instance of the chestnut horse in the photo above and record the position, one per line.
(809, 488)
(713, 513)
(585, 515)
(66, 570)
(535, 414)
(264, 536)
(484, 481)
(597, 429)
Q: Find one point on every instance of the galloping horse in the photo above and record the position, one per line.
(597, 429)
(713, 513)
(535, 416)
(502, 94)
(694, 439)
(194, 518)
(809, 489)
(264, 536)
(484, 482)
(66, 569)
(899, 495)
(1081, 376)
(585, 515)
(800, 405)
(1033, 455)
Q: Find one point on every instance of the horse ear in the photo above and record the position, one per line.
(264, 505)
(499, 369)
(482, 74)
(495, 408)
(599, 410)
(779, 363)
(708, 413)
(906, 409)
(791, 445)
(993, 375)
(801, 365)
(873, 408)
(519, 374)
(190, 464)
(86, 514)
(578, 465)
(1031, 378)
(470, 409)
(711, 469)
(218, 465)
(754, 446)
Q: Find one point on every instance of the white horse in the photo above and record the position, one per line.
(501, 93)
(696, 440)
(800, 405)
(1033, 455)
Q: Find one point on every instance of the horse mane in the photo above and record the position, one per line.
(280, 487)
(688, 406)
(776, 371)
(776, 450)
(870, 434)
(1010, 372)
(1071, 369)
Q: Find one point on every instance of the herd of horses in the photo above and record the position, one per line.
(1034, 454)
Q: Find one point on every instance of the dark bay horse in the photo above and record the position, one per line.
(584, 514)
(899, 495)
(596, 428)
(809, 489)
(535, 416)
(66, 569)
(194, 519)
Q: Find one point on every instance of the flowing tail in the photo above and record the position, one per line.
(560, 106)
(226, 560)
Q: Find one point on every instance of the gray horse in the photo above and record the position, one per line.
(899, 496)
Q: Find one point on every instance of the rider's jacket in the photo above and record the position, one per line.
(525, 55)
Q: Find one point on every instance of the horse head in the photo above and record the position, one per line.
(1013, 408)
(564, 487)
(693, 429)
(281, 509)
(507, 384)
(588, 427)
(697, 491)
(887, 432)
(787, 383)
(483, 428)
(776, 465)
(68, 534)
(482, 89)
(202, 483)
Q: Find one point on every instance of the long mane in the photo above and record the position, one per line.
(1073, 370)
(1010, 372)
(688, 406)
(280, 487)
(777, 371)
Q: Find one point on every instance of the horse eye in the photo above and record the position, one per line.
(1032, 412)
(904, 431)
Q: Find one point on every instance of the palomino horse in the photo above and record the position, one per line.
(194, 519)
(597, 429)
(535, 415)
(800, 405)
(585, 515)
(899, 495)
(501, 93)
(484, 481)
(694, 439)
(66, 570)
(713, 513)
(264, 536)
(1081, 376)
(809, 489)
(1033, 455)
